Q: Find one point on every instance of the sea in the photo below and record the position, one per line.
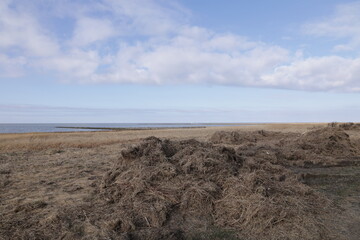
(81, 127)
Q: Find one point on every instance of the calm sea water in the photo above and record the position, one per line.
(54, 127)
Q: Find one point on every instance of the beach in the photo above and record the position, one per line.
(73, 185)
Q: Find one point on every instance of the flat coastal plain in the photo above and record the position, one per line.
(261, 181)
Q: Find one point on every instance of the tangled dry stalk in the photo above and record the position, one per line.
(190, 186)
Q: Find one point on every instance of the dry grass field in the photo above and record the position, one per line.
(273, 181)
(41, 141)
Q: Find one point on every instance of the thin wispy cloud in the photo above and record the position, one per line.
(343, 24)
(41, 113)
(37, 113)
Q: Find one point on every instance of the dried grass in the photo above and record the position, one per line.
(170, 189)
(241, 137)
(43, 141)
(323, 147)
(191, 186)
(269, 203)
(345, 126)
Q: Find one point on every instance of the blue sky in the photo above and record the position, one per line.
(179, 61)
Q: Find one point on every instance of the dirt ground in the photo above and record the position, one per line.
(304, 178)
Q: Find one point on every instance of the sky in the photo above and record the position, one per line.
(176, 61)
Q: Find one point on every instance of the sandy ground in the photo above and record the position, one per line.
(43, 174)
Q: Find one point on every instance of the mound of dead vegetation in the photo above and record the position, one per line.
(180, 188)
(345, 126)
(324, 146)
(327, 141)
(241, 137)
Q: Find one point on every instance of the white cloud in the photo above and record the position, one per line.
(153, 42)
(323, 73)
(194, 56)
(21, 31)
(76, 64)
(147, 17)
(90, 30)
(343, 24)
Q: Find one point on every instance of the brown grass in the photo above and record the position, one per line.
(111, 185)
(190, 186)
(41, 141)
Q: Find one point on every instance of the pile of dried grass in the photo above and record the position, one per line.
(268, 202)
(159, 177)
(191, 186)
(327, 141)
(241, 137)
(233, 137)
(325, 146)
(250, 137)
(345, 126)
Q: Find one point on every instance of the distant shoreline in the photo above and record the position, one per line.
(83, 127)
(129, 129)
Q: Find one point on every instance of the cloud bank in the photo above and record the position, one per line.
(111, 41)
